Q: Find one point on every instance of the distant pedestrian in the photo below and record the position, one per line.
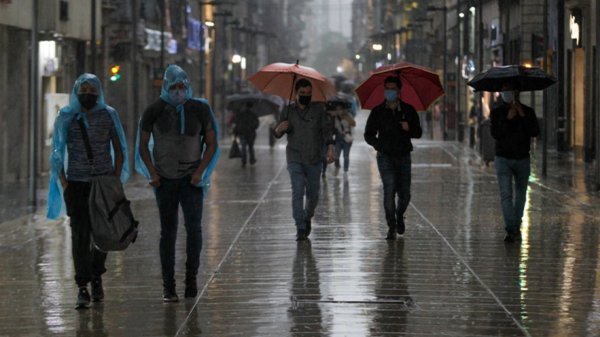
(324, 147)
(307, 127)
(475, 118)
(347, 92)
(246, 122)
(389, 128)
(343, 123)
(513, 126)
(185, 145)
(87, 109)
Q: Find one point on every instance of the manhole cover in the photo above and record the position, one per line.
(397, 302)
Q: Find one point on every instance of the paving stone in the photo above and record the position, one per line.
(451, 274)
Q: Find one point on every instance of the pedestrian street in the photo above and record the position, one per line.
(450, 274)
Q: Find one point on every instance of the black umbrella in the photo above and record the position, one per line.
(336, 101)
(513, 77)
(262, 105)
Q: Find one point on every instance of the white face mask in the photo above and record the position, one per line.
(507, 96)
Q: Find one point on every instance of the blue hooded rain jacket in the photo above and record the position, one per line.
(58, 153)
(174, 75)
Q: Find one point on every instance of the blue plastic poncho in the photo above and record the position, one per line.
(58, 153)
(175, 75)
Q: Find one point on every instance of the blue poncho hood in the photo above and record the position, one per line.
(58, 153)
(174, 75)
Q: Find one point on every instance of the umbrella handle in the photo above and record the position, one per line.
(292, 90)
(291, 93)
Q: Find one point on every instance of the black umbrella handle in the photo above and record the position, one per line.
(291, 93)
(292, 90)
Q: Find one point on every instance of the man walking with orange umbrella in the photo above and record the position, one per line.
(307, 127)
(389, 128)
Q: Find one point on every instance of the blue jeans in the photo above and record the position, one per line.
(342, 147)
(396, 176)
(305, 181)
(512, 208)
(169, 195)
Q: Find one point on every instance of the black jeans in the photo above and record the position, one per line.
(89, 261)
(247, 141)
(169, 195)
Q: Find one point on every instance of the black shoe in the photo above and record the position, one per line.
(308, 227)
(300, 235)
(169, 295)
(243, 165)
(391, 234)
(191, 290)
(400, 227)
(83, 299)
(97, 290)
(252, 161)
(509, 237)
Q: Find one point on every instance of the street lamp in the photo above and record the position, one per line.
(444, 9)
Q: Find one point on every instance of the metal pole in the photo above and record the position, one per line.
(33, 117)
(597, 77)
(93, 42)
(545, 97)
(560, 113)
(202, 56)
(457, 115)
(213, 65)
(480, 68)
(134, 67)
(445, 111)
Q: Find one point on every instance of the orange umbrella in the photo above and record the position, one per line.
(279, 79)
(420, 86)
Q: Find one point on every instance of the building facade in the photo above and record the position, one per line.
(468, 36)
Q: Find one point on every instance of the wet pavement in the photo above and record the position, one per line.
(450, 275)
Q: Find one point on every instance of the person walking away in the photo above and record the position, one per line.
(475, 117)
(184, 146)
(324, 147)
(513, 126)
(389, 128)
(307, 128)
(246, 122)
(87, 109)
(344, 123)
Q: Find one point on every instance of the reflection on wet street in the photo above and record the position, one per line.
(451, 274)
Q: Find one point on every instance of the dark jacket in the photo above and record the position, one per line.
(513, 137)
(246, 123)
(384, 131)
(309, 129)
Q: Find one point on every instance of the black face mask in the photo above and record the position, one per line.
(304, 99)
(87, 101)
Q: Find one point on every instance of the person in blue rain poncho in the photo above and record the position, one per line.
(177, 151)
(71, 172)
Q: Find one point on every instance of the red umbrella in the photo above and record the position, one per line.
(420, 86)
(279, 79)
